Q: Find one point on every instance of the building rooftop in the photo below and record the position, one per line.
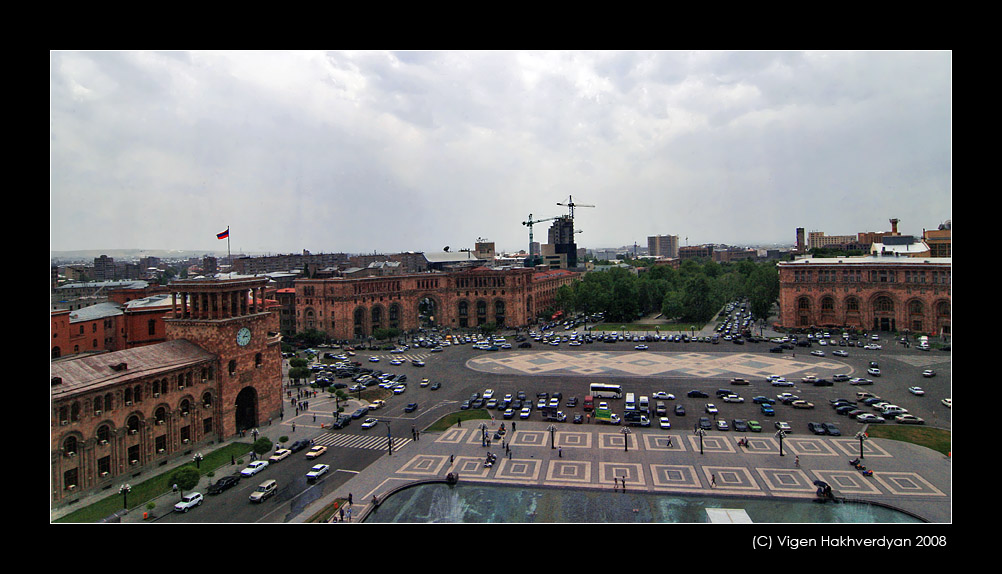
(87, 373)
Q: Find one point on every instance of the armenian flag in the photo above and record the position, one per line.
(224, 234)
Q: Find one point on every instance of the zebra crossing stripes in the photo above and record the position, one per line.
(374, 442)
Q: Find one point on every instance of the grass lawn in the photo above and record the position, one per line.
(936, 439)
(156, 485)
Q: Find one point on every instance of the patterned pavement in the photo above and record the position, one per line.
(647, 363)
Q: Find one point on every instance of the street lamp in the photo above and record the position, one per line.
(780, 434)
(626, 439)
(700, 433)
(861, 436)
(552, 429)
(389, 439)
(124, 491)
(198, 460)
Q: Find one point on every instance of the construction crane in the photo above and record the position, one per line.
(571, 205)
(530, 223)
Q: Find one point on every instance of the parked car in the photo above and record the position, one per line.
(188, 501)
(264, 490)
(784, 426)
(316, 451)
(224, 483)
(802, 404)
(831, 429)
(317, 471)
(679, 410)
(815, 428)
(869, 418)
(411, 407)
(909, 419)
(694, 394)
(280, 454)
(916, 391)
(254, 467)
(754, 426)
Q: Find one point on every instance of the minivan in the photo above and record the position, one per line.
(264, 490)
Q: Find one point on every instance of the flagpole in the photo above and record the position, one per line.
(229, 258)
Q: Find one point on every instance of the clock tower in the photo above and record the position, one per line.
(228, 318)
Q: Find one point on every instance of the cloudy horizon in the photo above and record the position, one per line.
(412, 151)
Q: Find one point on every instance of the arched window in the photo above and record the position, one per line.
(132, 424)
(232, 367)
(70, 445)
(103, 434)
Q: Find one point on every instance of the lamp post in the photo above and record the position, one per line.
(700, 433)
(626, 439)
(389, 439)
(124, 491)
(861, 436)
(552, 429)
(780, 434)
(198, 460)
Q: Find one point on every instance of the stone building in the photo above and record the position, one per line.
(869, 293)
(348, 309)
(126, 412)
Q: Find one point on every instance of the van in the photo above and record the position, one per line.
(644, 404)
(264, 490)
(589, 403)
(631, 402)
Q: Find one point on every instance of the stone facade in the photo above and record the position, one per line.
(867, 293)
(347, 309)
(123, 412)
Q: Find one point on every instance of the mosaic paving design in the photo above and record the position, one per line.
(646, 364)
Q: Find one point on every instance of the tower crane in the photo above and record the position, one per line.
(530, 223)
(571, 205)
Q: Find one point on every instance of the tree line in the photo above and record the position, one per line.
(692, 293)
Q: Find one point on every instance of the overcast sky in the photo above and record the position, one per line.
(414, 151)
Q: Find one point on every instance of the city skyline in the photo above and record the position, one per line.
(413, 151)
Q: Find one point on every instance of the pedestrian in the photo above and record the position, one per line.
(349, 499)
(796, 461)
(560, 452)
(293, 426)
(669, 442)
(713, 480)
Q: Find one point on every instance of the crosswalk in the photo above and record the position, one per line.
(373, 442)
(407, 357)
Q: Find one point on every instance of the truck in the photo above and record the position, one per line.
(552, 414)
(606, 416)
(637, 419)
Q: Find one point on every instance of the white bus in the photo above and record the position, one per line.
(631, 402)
(606, 391)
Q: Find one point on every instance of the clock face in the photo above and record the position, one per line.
(243, 336)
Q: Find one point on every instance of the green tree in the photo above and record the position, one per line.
(262, 445)
(185, 478)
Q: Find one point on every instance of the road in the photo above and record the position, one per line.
(670, 367)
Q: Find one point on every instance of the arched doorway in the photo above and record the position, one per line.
(883, 313)
(245, 412)
(428, 312)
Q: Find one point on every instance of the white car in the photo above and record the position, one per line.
(733, 399)
(377, 404)
(524, 414)
(948, 403)
(860, 381)
(317, 471)
(818, 353)
(663, 395)
(928, 373)
(279, 455)
(641, 347)
(916, 391)
(711, 408)
(369, 423)
(396, 362)
(907, 419)
(869, 418)
(188, 501)
(254, 468)
(664, 422)
(399, 389)
(488, 393)
(873, 371)
(840, 353)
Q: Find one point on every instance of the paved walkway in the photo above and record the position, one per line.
(906, 477)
